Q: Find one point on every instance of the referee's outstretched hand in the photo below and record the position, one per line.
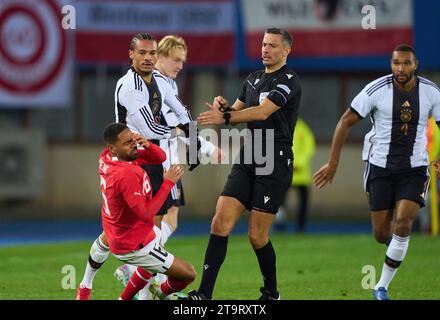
(173, 173)
(213, 116)
(324, 175)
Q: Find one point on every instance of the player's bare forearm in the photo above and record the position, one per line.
(215, 116)
(256, 113)
(238, 105)
(348, 119)
(326, 173)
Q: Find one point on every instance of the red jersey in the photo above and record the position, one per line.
(128, 205)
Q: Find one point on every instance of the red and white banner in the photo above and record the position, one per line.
(105, 28)
(35, 65)
(319, 31)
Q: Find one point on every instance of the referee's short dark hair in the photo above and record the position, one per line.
(405, 48)
(287, 37)
(112, 131)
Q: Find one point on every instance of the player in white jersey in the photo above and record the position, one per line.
(396, 178)
(138, 103)
(172, 53)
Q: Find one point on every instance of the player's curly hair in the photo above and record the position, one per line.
(112, 131)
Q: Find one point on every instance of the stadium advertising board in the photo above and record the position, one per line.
(321, 30)
(35, 69)
(104, 28)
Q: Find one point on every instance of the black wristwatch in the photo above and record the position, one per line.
(227, 117)
(224, 108)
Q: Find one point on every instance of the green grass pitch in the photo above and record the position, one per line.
(312, 267)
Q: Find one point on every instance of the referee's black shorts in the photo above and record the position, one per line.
(264, 193)
(155, 173)
(385, 187)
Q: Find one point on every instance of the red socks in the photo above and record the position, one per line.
(172, 285)
(137, 281)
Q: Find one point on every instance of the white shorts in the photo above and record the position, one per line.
(152, 257)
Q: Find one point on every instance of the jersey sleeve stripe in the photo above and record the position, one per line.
(139, 82)
(378, 85)
(151, 124)
(429, 83)
(135, 81)
(274, 90)
(284, 87)
(157, 74)
(158, 127)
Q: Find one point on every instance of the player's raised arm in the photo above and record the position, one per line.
(326, 173)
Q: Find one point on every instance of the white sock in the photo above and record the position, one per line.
(396, 251)
(99, 254)
(144, 293)
(131, 268)
(167, 231)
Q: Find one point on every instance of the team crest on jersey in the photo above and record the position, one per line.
(155, 107)
(405, 116)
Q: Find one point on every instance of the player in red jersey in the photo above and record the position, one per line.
(129, 208)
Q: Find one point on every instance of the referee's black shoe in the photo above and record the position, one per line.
(267, 295)
(195, 295)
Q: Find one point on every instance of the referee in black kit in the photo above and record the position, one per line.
(268, 103)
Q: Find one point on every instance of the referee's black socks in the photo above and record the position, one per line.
(267, 260)
(214, 257)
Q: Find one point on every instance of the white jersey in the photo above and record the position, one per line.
(138, 105)
(171, 119)
(398, 137)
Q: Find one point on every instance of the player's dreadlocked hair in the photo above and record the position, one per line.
(168, 43)
(287, 37)
(112, 131)
(140, 36)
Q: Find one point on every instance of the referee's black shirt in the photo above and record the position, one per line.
(282, 87)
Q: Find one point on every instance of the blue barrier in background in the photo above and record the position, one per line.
(20, 232)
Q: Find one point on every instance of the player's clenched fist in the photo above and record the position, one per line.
(174, 173)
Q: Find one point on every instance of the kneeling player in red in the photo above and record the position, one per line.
(129, 208)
